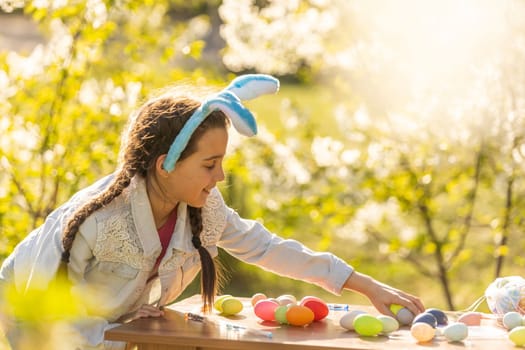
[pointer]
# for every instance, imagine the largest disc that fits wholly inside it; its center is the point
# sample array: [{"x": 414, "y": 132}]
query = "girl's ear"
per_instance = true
[{"x": 159, "y": 167}]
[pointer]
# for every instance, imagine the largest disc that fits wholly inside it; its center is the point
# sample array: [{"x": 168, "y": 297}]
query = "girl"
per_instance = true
[{"x": 133, "y": 241}]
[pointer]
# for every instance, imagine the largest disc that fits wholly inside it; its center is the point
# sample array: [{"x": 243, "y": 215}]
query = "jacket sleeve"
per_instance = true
[{"x": 251, "y": 242}]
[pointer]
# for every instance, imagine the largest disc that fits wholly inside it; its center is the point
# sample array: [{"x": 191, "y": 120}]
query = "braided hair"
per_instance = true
[{"x": 150, "y": 135}]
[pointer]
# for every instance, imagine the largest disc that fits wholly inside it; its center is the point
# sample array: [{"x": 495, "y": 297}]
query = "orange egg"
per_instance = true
[{"x": 298, "y": 315}]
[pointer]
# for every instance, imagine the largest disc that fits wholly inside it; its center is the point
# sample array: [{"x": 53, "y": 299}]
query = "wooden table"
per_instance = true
[{"x": 173, "y": 331}]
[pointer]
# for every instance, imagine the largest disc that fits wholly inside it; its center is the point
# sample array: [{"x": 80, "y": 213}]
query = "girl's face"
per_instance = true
[{"x": 193, "y": 178}]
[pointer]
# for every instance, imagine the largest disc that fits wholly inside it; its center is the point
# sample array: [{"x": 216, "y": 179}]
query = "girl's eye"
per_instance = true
[{"x": 210, "y": 167}]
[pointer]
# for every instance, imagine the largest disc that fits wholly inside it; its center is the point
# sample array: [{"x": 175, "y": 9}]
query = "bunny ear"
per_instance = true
[
  {"x": 242, "y": 119},
  {"x": 244, "y": 87},
  {"x": 250, "y": 86}
]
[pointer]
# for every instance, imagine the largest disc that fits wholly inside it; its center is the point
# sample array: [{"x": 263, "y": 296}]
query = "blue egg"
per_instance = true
[
  {"x": 427, "y": 318},
  {"x": 441, "y": 317}
]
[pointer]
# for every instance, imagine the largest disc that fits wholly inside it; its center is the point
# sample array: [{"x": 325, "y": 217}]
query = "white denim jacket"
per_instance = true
[{"x": 116, "y": 248}]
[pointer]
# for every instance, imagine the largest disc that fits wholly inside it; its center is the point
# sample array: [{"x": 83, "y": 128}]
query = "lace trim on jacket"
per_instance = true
[
  {"x": 118, "y": 240},
  {"x": 213, "y": 220}
]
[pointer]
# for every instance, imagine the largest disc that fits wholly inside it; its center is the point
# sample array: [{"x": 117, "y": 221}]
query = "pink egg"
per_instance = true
[
  {"x": 265, "y": 309},
  {"x": 317, "y": 305},
  {"x": 471, "y": 318}
]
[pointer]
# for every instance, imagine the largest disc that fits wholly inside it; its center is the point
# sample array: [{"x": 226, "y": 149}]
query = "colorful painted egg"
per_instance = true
[
  {"x": 280, "y": 314},
  {"x": 403, "y": 315},
  {"x": 512, "y": 320},
  {"x": 422, "y": 332},
  {"x": 286, "y": 299},
  {"x": 258, "y": 296},
  {"x": 390, "y": 324},
  {"x": 347, "y": 320},
  {"x": 517, "y": 335},
  {"x": 427, "y": 318},
  {"x": 217, "y": 304},
  {"x": 471, "y": 318},
  {"x": 367, "y": 325},
  {"x": 455, "y": 331},
  {"x": 298, "y": 315},
  {"x": 265, "y": 309},
  {"x": 317, "y": 305},
  {"x": 231, "y": 306},
  {"x": 440, "y": 316}
]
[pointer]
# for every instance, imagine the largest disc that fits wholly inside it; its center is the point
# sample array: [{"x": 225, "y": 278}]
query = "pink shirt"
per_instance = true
[{"x": 165, "y": 233}]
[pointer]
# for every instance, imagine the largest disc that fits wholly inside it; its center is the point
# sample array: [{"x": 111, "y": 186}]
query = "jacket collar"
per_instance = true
[
  {"x": 145, "y": 224},
  {"x": 143, "y": 216}
]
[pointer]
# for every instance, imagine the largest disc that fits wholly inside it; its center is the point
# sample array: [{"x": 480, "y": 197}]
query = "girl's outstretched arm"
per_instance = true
[{"x": 382, "y": 295}]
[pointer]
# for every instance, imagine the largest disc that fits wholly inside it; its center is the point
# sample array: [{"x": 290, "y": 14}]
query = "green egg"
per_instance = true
[
  {"x": 280, "y": 314},
  {"x": 517, "y": 335},
  {"x": 367, "y": 325}
]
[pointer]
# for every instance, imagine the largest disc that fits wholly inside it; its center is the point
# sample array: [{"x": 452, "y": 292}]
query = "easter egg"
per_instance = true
[
  {"x": 258, "y": 296},
  {"x": 347, "y": 320},
  {"x": 217, "y": 304},
  {"x": 231, "y": 306},
  {"x": 280, "y": 314},
  {"x": 390, "y": 324},
  {"x": 286, "y": 299},
  {"x": 471, "y": 318},
  {"x": 517, "y": 335},
  {"x": 367, "y": 325},
  {"x": 298, "y": 315},
  {"x": 403, "y": 315},
  {"x": 427, "y": 318},
  {"x": 317, "y": 305},
  {"x": 455, "y": 331},
  {"x": 440, "y": 316},
  {"x": 265, "y": 309},
  {"x": 512, "y": 319},
  {"x": 422, "y": 332}
]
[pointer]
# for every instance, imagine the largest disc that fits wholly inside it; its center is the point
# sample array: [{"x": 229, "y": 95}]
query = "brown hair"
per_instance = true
[{"x": 150, "y": 135}]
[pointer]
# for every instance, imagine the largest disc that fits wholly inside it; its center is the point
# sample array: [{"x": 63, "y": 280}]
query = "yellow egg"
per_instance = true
[
  {"x": 219, "y": 300},
  {"x": 395, "y": 308},
  {"x": 231, "y": 306},
  {"x": 299, "y": 315},
  {"x": 517, "y": 335}
]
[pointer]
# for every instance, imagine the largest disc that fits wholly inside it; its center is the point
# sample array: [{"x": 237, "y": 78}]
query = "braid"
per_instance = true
[
  {"x": 208, "y": 269},
  {"x": 121, "y": 181}
]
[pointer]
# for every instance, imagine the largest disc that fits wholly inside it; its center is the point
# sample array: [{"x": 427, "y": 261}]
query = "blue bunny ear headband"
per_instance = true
[{"x": 244, "y": 87}]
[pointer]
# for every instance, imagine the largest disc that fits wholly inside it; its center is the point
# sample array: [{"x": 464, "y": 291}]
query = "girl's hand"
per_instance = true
[
  {"x": 143, "y": 312},
  {"x": 382, "y": 295}
]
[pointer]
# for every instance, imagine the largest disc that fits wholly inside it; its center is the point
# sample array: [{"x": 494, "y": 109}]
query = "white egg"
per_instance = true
[
  {"x": 347, "y": 320},
  {"x": 405, "y": 316},
  {"x": 390, "y": 324},
  {"x": 455, "y": 331},
  {"x": 286, "y": 299}
]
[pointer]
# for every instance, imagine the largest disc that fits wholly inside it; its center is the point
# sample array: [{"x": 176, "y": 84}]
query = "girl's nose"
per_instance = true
[{"x": 219, "y": 176}]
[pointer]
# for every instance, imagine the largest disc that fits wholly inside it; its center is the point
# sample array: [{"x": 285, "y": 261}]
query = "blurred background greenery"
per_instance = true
[{"x": 396, "y": 141}]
